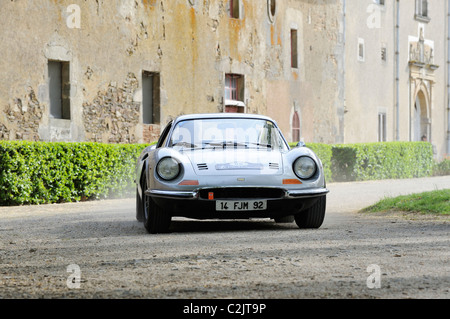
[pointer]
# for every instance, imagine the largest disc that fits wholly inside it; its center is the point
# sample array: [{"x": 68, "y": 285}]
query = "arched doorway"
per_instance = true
[
  {"x": 421, "y": 124},
  {"x": 295, "y": 127}
]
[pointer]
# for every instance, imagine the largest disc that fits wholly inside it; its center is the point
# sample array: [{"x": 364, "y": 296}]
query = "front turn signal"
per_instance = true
[
  {"x": 189, "y": 183},
  {"x": 291, "y": 182}
]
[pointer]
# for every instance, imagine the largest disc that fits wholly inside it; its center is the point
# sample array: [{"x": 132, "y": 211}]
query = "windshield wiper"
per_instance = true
[
  {"x": 185, "y": 145},
  {"x": 234, "y": 144},
  {"x": 262, "y": 145}
]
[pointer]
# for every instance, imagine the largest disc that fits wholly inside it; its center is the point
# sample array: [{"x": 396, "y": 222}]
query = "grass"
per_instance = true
[{"x": 435, "y": 202}]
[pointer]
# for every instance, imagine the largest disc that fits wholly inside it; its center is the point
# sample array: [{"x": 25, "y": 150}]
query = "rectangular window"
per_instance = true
[
  {"x": 234, "y": 93},
  {"x": 294, "y": 49},
  {"x": 151, "y": 113},
  {"x": 381, "y": 127},
  {"x": 234, "y": 9},
  {"x": 422, "y": 10},
  {"x": 383, "y": 53},
  {"x": 234, "y": 87},
  {"x": 361, "y": 50},
  {"x": 59, "y": 89}
]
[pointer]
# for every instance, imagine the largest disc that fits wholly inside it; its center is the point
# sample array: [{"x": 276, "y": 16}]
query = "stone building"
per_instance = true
[
  {"x": 329, "y": 71},
  {"x": 396, "y": 72},
  {"x": 115, "y": 71}
]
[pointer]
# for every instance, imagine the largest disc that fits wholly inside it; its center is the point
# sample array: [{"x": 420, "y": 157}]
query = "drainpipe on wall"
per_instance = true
[
  {"x": 448, "y": 78},
  {"x": 397, "y": 70},
  {"x": 343, "y": 76},
  {"x": 340, "y": 51}
]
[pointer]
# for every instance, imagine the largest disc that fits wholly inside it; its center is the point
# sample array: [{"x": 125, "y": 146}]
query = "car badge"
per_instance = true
[{"x": 241, "y": 179}]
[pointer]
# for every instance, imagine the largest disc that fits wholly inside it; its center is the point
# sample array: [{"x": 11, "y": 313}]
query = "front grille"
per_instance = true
[{"x": 242, "y": 192}]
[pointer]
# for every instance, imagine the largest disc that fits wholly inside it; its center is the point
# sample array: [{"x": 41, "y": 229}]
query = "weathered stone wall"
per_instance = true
[
  {"x": 113, "y": 115},
  {"x": 23, "y": 116},
  {"x": 314, "y": 90},
  {"x": 4, "y": 132},
  {"x": 190, "y": 44}
]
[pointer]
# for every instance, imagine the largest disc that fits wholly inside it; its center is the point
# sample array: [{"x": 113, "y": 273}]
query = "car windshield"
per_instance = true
[{"x": 220, "y": 133}]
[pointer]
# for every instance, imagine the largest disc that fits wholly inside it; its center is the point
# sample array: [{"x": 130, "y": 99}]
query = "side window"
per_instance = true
[{"x": 163, "y": 138}]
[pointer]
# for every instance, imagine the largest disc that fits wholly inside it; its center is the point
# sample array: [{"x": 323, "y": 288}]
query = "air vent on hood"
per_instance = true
[
  {"x": 273, "y": 165},
  {"x": 202, "y": 166}
]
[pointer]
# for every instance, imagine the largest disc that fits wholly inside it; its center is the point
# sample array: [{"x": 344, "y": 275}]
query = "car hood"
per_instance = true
[{"x": 236, "y": 162}]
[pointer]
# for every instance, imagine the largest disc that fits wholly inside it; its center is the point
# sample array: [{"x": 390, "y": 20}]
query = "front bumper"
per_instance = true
[
  {"x": 194, "y": 195},
  {"x": 193, "y": 204}
]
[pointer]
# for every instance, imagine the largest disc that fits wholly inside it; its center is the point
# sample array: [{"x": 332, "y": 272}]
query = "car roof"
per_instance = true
[{"x": 221, "y": 115}]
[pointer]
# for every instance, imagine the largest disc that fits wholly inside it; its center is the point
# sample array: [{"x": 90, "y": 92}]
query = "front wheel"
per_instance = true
[
  {"x": 312, "y": 217},
  {"x": 156, "y": 219},
  {"x": 139, "y": 208}
]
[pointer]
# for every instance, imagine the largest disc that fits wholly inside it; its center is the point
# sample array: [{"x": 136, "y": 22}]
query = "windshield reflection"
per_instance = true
[{"x": 227, "y": 133}]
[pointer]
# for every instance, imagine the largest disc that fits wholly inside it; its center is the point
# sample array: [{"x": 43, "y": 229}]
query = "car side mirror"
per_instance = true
[{"x": 300, "y": 144}]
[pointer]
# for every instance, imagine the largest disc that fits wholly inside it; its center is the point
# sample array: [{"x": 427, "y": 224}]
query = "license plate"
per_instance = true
[{"x": 222, "y": 205}]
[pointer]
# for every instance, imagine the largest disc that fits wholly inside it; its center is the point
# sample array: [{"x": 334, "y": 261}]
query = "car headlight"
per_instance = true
[
  {"x": 305, "y": 167},
  {"x": 168, "y": 168}
]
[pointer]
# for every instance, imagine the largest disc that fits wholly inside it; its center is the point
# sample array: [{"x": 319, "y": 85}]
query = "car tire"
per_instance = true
[
  {"x": 312, "y": 217},
  {"x": 285, "y": 219},
  {"x": 140, "y": 199},
  {"x": 156, "y": 219},
  {"x": 139, "y": 208}
]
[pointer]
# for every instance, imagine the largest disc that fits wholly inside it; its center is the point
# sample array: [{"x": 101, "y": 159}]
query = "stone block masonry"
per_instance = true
[
  {"x": 23, "y": 117},
  {"x": 191, "y": 47},
  {"x": 113, "y": 115}
]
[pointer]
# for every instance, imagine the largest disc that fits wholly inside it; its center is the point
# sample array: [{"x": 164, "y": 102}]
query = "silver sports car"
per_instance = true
[{"x": 228, "y": 166}]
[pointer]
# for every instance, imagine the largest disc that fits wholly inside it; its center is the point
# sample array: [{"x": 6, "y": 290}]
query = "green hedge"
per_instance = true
[
  {"x": 39, "y": 172},
  {"x": 373, "y": 161},
  {"x": 442, "y": 168}
]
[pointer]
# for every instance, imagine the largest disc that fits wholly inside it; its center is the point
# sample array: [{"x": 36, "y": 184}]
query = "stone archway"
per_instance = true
[
  {"x": 421, "y": 124},
  {"x": 421, "y": 120},
  {"x": 296, "y": 129},
  {"x": 422, "y": 80},
  {"x": 296, "y": 123}
]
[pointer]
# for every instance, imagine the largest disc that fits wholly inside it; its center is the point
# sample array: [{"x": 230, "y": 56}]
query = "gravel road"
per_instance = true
[{"x": 108, "y": 254}]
